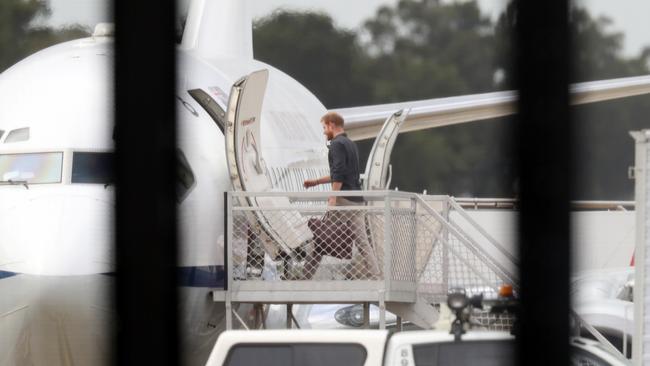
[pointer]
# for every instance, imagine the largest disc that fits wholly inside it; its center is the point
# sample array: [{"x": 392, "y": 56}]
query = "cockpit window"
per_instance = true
[
  {"x": 1, "y": 134},
  {"x": 32, "y": 168},
  {"x": 92, "y": 168},
  {"x": 17, "y": 135}
]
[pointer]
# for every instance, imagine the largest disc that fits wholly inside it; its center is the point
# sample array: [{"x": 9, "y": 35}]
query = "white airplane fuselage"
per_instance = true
[{"x": 56, "y": 236}]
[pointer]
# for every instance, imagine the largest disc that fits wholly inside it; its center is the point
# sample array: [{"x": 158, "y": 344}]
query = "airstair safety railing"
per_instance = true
[
  {"x": 458, "y": 208},
  {"x": 292, "y": 241},
  {"x": 579, "y": 324},
  {"x": 396, "y": 243},
  {"x": 464, "y": 261}
]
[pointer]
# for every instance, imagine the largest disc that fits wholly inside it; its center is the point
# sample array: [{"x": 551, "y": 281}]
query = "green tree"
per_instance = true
[
  {"x": 19, "y": 37},
  {"x": 427, "y": 49},
  {"x": 604, "y": 149},
  {"x": 602, "y": 145},
  {"x": 313, "y": 51},
  {"x": 597, "y": 50}
]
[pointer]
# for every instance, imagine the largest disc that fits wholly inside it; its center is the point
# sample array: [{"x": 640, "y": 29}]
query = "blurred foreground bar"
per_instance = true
[
  {"x": 145, "y": 167},
  {"x": 543, "y": 135}
]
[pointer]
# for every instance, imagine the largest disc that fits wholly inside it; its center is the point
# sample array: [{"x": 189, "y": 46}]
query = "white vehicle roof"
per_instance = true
[
  {"x": 439, "y": 336},
  {"x": 372, "y": 340}
]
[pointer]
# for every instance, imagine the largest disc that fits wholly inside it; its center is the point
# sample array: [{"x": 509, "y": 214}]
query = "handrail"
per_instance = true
[
  {"x": 504, "y": 203},
  {"x": 325, "y": 194},
  {"x": 490, "y": 263},
  {"x": 465, "y": 262},
  {"x": 599, "y": 337},
  {"x": 482, "y": 231}
]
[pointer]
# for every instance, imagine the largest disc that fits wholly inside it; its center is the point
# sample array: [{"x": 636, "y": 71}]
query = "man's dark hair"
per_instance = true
[{"x": 333, "y": 118}]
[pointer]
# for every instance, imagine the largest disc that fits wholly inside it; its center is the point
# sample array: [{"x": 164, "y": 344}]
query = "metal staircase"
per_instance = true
[{"x": 420, "y": 243}]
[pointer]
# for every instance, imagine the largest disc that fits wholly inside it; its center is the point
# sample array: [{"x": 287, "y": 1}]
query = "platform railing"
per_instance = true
[
  {"x": 395, "y": 243},
  {"x": 295, "y": 242}
]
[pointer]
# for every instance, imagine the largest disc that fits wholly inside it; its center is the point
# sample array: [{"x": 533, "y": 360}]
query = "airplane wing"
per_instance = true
[{"x": 365, "y": 122}]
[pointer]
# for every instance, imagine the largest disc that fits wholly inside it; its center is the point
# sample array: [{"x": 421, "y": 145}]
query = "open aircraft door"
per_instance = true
[
  {"x": 247, "y": 168},
  {"x": 378, "y": 168}
]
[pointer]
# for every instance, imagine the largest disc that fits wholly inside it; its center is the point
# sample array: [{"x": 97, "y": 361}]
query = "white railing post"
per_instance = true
[
  {"x": 413, "y": 249},
  {"x": 444, "y": 245},
  {"x": 640, "y": 342},
  {"x": 229, "y": 242},
  {"x": 388, "y": 242}
]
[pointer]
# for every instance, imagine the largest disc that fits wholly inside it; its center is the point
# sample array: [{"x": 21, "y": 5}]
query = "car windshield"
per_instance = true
[{"x": 33, "y": 168}]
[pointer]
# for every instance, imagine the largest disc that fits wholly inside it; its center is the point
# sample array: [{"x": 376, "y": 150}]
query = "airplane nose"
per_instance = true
[{"x": 57, "y": 235}]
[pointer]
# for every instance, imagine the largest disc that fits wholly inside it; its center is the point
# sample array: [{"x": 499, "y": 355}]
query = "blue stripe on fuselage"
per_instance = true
[
  {"x": 204, "y": 276},
  {"x": 5, "y": 274}
]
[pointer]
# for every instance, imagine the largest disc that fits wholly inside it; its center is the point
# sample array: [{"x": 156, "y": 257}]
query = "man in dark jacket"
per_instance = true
[{"x": 344, "y": 175}]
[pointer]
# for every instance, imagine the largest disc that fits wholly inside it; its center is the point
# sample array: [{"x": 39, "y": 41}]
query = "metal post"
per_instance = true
[
  {"x": 146, "y": 298},
  {"x": 388, "y": 242},
  {"x": 228, "y": 311},
  {"x": 640, "y": 251},
  {"x": 366, "y": 315},
  {"x": 398, "y": 326},
  {"x": 444, "y": 246},
  {"x": 289, "y": 316},
  {"x": 625, "y": 340},
  {"x": 413, "y": 250},
  {"x": 382, "y": 310},
  {"x": 228, "y": 242}
]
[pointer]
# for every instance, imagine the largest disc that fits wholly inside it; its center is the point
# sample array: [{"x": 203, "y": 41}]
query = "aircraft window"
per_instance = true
[
  {"x": 297, "y": 355},
  {"x": 185, "y": 177},
  {"x": 92, "y": 168},
  {"x": 486, "y": 353},
  {"x": 32, "y": 168},
  {"x": 21, "y": 134},
  {"x": 211, "y": 106}
]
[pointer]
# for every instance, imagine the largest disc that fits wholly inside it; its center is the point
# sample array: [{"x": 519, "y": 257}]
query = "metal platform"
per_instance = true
[{"x": 401, "y": 251}]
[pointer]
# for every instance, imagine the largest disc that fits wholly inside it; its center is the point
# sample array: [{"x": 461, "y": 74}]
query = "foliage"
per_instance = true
[
  {"x": 313, "y": 51},
  {"x": 603, "y": 148},
  {"x": 421, "y": 49},
  {"x": 19, "y": 37}
]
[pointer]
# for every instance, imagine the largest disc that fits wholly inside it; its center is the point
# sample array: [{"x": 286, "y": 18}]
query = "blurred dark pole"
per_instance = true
[
  {"x": 146, "y": 299},
  {"x": 543, "y": 137}
]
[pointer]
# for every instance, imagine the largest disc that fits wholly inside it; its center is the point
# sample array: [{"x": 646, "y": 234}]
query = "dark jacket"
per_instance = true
[{"x": 344, "y": 164}]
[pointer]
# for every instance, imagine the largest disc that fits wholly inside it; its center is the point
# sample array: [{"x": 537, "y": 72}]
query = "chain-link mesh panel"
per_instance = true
[
  {"x": 452, "y": 261},
  {"x": 485, "y": 320},
  {"x": 308, "y": 243}
]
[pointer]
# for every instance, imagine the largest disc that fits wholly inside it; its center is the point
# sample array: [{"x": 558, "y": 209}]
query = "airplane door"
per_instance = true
[
  {"x": 378, "y": 165},
  {"x": 248, "y": 172},
  {"x": 243, "y": 149}
]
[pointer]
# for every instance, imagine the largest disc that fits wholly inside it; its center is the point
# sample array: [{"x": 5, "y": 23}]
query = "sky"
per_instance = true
[{"x": 629, "y": 16}]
